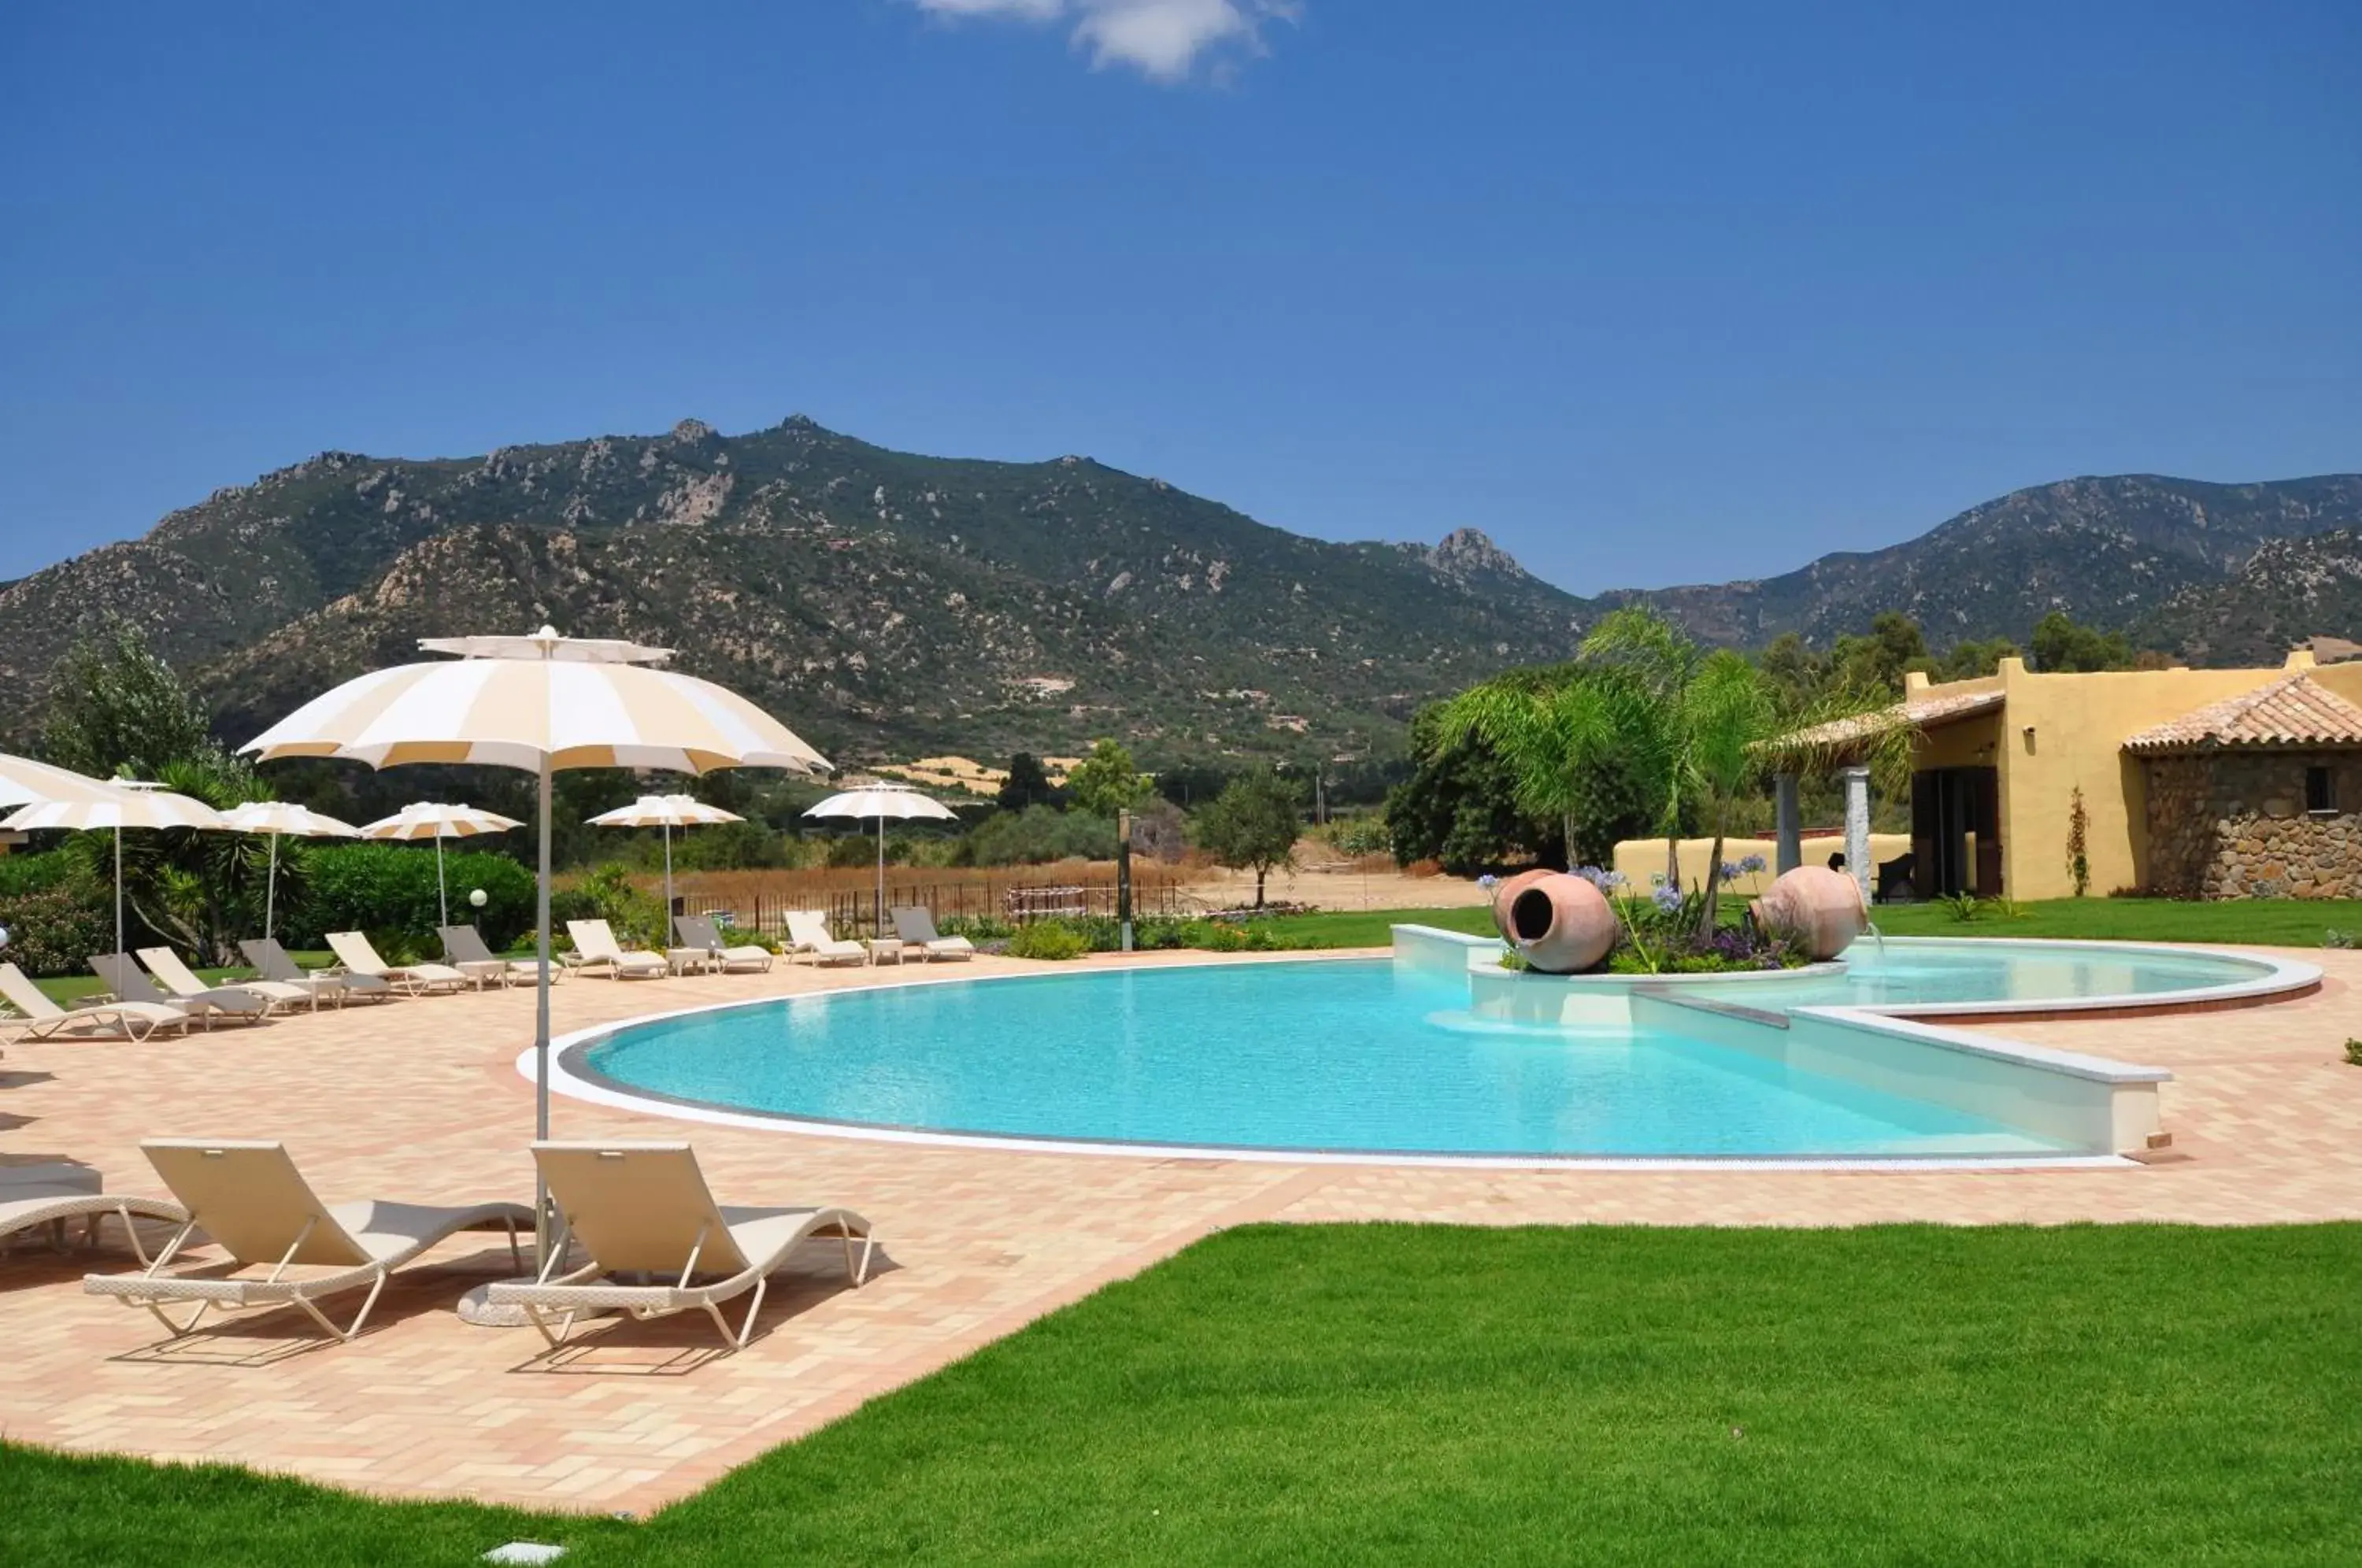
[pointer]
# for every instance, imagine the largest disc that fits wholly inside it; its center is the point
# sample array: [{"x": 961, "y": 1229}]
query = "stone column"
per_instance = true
[
  {"x": 1792, "y": 827},
  {"x": 1857, "y": 823}
]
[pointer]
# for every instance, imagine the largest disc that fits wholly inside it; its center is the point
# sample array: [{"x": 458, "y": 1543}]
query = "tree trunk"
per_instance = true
[
  {"x": 1566, "y": 826},
  {"x": 1673, "y": 860},
  {"x": 1713, "y": 883},
  {"x": 1259, "y": 877}
]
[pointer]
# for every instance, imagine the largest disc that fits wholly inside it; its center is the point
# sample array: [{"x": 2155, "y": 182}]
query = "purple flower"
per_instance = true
[
  {"x": 1488, "y": 882},
  {"x": 1667, "y": 899},
  {"x": 1751, "y": 865}
]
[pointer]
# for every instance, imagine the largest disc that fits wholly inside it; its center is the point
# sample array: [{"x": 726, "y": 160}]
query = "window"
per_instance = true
[{"x": 2321, "y": 789}]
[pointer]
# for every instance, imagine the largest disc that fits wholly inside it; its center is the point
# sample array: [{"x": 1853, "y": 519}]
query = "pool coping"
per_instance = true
[{"x": 571, "y": 1076}]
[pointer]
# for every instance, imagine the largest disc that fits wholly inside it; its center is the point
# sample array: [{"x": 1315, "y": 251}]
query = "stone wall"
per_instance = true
[{"x": 2226, "y": 825}]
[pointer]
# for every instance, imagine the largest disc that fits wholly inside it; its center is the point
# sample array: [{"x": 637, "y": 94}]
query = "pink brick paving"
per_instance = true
[{"x": 418, "y": 1100}]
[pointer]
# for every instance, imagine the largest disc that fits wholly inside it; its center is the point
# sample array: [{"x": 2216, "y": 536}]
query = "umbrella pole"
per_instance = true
[
  {"x": 442, "y": 896},
  {"x": 877, "y": 916},
  {"x": 540, "y": 1027},
  {"x": 270, "y": 890},
  {"x": 668, "y": 838},
  {"x": 118, "y": 887}
]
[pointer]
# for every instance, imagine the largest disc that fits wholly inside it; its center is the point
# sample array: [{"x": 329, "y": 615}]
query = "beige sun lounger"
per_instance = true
[
  {"x": 699, "y": 930},
  {"x": 596, "y": 942},
  {"x": 272, "y": 962},
  {"x": 253, "y": 1203},
  {"x": 53, "y": 1194},
  {"x": 42, "y": 1018},
  {"x": 644, "y": 1209},
  {"x": 181, "y": 982},
  {"x": 130, "y": 984},
  {"x": 916, "y": 927},
  {"x": 464, "y": 946},
  {"x": 807, "y": 933},
  {"x": 353, "y": 951}
]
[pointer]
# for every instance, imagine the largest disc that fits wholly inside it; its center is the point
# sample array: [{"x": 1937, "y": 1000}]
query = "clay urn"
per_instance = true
[
  {"x": 1505, "y": 894},
  {"x": 1559, "y": 924},
  {"x": 1813, "y": 906}
]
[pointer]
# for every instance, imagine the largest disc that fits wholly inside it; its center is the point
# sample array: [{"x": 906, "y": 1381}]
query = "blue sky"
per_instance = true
[{"x": 1652, "y": 293}]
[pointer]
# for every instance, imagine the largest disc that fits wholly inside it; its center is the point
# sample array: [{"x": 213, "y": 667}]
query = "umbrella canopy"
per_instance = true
[
  {"x": 427, "y": 818},
  {"x": 538, "y": 703},
  {"x": 25, "y": 782},
  {"x": 279, "y": 819},
  {"x": 120, "y": 806},
  {"x": 897, "y": 802},
  {"x": 666, "y": 812}
]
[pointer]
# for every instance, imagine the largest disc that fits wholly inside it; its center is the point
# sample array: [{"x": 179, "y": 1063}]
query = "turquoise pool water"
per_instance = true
[{"x": 1347, "y": 1055}]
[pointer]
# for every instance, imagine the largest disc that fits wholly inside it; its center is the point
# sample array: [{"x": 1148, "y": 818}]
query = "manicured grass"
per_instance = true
[
  {"x": 2273, "y": 922},
  {"x": 1349, "y": 1393},
  {"x": 1373, "y": 928}
]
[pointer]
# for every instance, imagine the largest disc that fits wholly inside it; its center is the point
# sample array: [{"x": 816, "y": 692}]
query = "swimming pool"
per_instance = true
[{"x": 1368, "y": 1056}]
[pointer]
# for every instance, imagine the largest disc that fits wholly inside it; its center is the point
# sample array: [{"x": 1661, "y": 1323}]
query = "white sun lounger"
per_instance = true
[
  {"x": 916, "y": 927},
  {"x": 595, "y": 941},
  {"x": 52, "y": 1195},
  {"x": 181, "y": 982},
  {"x": 43, "y": 1018},
  {"x": 272, "y": 962},
  {"x": 807, "y": 933},
  {"x": 250, "y": 1198},
  {"x": 644, "y": 1209},
  {"x": 353, "y": 951},
  {"x": 130, "y": 983},
  {"x": 699, "y": 930}
]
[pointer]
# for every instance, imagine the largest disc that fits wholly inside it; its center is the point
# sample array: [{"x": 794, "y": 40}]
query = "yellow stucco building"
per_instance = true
[{"x": 2195, "y": 782}]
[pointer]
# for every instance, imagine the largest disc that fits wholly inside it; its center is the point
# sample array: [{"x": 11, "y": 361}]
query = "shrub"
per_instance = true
[
  {"x": 1037, "y": 835},
  {"x": 2354, "y": 1052},
  {"x": 638, "y": 919},
  {"x": 388, "y": 891},
  {"x": 23, "y": 874},
  {"x": 56, "y": 930},
  {"x": 1365, "y": 834},
  {"x": 1049, "y": 939},
  {"x": 976, "y": 928}
]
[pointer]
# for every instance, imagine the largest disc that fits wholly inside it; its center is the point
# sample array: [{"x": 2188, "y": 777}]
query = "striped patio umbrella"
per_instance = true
[
  {"x": 538, "y": 703},
  {"x": 24, "y": 782},
  {"x": 666, "y": 812},
  {"x": 279, "y": 819},
  {"x": 124, "y": 805},
  {"x": 897, "y": 803},
  {"x": 427, "y": 819}
]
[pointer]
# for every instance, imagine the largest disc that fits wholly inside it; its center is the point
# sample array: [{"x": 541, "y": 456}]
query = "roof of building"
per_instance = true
[
  {"x": 1920, "y": 710},
  {"x": 2294, "y": 710}
]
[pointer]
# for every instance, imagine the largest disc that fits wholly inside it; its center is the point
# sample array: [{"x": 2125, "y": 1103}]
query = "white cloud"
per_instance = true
[{"x": 1164, "y": 39}]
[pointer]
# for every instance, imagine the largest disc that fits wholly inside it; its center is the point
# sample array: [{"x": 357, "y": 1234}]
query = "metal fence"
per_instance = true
[{"x": 852, "y": 912}]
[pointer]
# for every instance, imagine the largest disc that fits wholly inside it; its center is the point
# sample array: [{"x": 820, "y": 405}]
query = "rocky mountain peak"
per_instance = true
[{"x": 1467, "y": 552}]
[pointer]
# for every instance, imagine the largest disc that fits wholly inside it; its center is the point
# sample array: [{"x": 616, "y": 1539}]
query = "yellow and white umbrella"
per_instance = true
[
  {"x": 124, "y": 805},
  {"x": 24, "y": 782},
  {"x": 279, "y": 819},
  {"x": 899, "y": 801},
  {"x": 666, "y": 812},
  {"x": 538, "y": 703},
  {"x": 428, "y": 818}
]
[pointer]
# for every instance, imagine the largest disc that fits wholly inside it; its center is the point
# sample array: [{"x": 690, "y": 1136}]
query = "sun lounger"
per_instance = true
[
  {"x": 54, "y": 1194},
  {"x": 353, "y": 951},
  {"x": 42, "y": 1018},
  {"x": 699, "y": 930},
  {"x": 272, "y": 962},
  {"x": 807, "y": 933},
  {"x": 599, "y": 950},
  {"x": 916, "y": 927},
  {"x": 253, "y": 1203},
  {"x": 464, "y": 946},
  {"x": 643, "y": 1209},
  {"x": 181, "y": 982},
  {"x": 130, "y": 983}
]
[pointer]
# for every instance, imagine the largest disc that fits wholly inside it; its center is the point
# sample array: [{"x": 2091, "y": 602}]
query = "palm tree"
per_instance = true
[{"x": 1551, "y": 726}]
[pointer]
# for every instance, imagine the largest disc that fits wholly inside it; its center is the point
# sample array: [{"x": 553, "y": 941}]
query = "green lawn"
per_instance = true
[
  {"x": 1349, "y": 1394},
  {"x": 67, "y": 989},
  {"x": 2275, "y": 922}
]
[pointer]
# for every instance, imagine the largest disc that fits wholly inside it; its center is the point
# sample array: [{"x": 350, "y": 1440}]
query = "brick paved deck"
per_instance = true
[{"x": 419, "y": 1101}]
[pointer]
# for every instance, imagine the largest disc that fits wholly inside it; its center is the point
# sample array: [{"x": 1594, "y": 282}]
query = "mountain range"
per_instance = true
[{"x": 889, "y": 604}]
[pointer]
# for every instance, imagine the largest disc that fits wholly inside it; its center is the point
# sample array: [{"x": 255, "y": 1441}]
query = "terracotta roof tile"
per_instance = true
[
  {"x": 1924, "y": 711},
  {"x": 2293, "y": 711}
]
